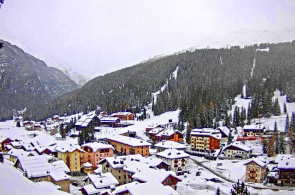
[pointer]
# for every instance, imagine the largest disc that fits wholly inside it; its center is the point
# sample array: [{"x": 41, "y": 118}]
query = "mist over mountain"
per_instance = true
[
  {"x": 26, "y": 80},
  {"x": 72, "y": 74}
]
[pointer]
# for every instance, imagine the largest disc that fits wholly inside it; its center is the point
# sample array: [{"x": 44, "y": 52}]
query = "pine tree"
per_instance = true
[
  {"x": 282, "y": 144},
  {"x": 265, "y": 146},
  {"x": 239, "y": 189},
  {"x": 277, "y": 143},
  {"x": 276, "y": 107},
  {"x": 287, "y": 124},
  {"x": 188, "y": 136},
  {"x": 230, "y": 138}
]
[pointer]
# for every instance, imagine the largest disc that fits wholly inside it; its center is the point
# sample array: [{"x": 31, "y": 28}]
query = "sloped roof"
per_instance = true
[
  {"x": 38, "y": 166},
  {"x": 238, "y": 146},
  {"x": 59, "y": 176},
  {"x": 122, "y": 113},
  {"x": 286, "y": 163},
  {"x": 170, "y": 144},
  {"x": 85, "y": 119},
  {"x": 173, "y": 154},
  {"x": 254, "y": 127},
  {"x": 128, "y": 140},
  {"x": 90, "y": 189},
  {"x": 207, "y": 132},
  {"x": 257, "y": 161},
  {"x": 136, "y": 188},
  {"x": 18, "y": 153},
  {"x": 225, "y": 130},
  {"x": 96, "y": 146},
  {"x": 149, "y": 174},
  {"x": 103, "y": 180}
]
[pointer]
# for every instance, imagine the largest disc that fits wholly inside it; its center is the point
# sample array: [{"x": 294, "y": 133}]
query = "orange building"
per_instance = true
[
  {"x": 94, "y": 152},
  {"x": 124, "y": 115},
  {"x": 127, "y": 145},
  {"x": 170, "y": 134}
]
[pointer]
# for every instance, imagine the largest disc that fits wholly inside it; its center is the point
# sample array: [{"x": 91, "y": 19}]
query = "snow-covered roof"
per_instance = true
[
  {"x": 258, "y": 161},
  {"x": 59, "y": 176},
  {"x": 13, "y": 182},
  {"x": 38, "y": 166},
  {"x": 109, "y": 119},
  {"x": 135, "y": 166},
  {"x": 68, "y": 148},
  {"x": 286, "y": 163},
  {"x": 170, "y": 144},
  {"x": 128, "y": 140},
  {"x": 18, "y": 153},
  {"x": 136, "y": 188},
  {"x": 97, "y": 146},
  {"x": 121, "y": 161},
  {"x": 85, "y": 119},
  {"x": 173, "y": 154},
  {"x": 152, "y": 162},
  {"x": 103, "y": 180},
  {"x": 156, "y": 130},
  {"x": 167, "y": 132},
  {"x": 90, "y": 189},
  {"x": 239, "y": 146},
  {"x": 225, "y": 130},
  {"x": 28, "y": 147},
  {"x": 207, "y": 132},
  {"x": 281, "y": 157},
  {"x": 254, "y": 127},
  {"x": 154, "y": 175},
  {"x": 15, "y": 144},
  {"x": 122, "y": 113}
]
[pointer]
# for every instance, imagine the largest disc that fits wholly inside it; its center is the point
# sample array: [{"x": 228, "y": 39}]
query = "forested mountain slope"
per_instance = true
[
  {"x": 207, "y": 81},
  {"x": 26, "y": 80}
]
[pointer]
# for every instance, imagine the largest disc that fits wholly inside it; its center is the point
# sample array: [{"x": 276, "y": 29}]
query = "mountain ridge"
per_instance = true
[{"x": 26, "y": 80}]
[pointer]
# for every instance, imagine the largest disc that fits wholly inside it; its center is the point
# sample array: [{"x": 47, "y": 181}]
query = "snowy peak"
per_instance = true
[{"x": 67, "y": 70}]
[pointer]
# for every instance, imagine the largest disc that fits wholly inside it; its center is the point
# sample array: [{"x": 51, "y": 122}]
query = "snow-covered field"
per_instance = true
[{"x": 139, "y": 126}]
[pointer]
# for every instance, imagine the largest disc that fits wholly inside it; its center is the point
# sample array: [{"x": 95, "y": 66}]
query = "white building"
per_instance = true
[{"x": 177, "y": 159}]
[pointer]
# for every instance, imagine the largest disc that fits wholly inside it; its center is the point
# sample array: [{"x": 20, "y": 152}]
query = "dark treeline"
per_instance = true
[{"x": 206, "y": 84}]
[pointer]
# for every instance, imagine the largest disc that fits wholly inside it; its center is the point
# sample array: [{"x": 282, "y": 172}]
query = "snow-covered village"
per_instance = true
[
  {"x": 147, "y": 97},
  {"x": 101, "y": 153}
]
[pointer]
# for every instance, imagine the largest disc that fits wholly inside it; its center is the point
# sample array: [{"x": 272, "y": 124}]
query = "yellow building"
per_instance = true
[
  {"x": 73, "y": 157},
  {"x": 256, "y": 170}
]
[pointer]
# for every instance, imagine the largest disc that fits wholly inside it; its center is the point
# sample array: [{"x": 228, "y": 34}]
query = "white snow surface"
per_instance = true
[
  {"x": 13, "y": 182},
  {"x": 139, "y": 126}
]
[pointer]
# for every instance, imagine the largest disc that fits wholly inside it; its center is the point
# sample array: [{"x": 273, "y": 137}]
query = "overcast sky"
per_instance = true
[{"x": 95, "y": 37}]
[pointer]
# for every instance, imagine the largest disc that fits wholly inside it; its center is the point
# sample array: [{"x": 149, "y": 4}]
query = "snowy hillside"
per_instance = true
[{"x": 269, "y": 122}]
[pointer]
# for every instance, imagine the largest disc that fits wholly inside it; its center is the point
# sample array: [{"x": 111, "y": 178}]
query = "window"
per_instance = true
[{"x": 119, "y": 177}]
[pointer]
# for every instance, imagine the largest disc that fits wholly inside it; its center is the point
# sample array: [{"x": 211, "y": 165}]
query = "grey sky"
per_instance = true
[{"x": 95, "y": 37}]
